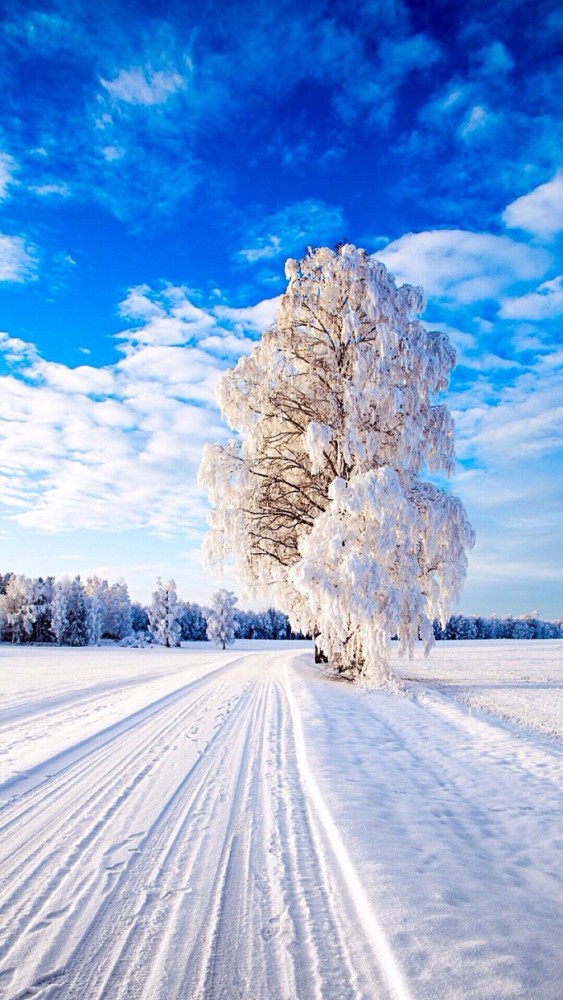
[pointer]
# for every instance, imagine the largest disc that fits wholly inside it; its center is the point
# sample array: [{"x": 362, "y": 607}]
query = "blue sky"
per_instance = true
[{"x": 159, "y": 162}]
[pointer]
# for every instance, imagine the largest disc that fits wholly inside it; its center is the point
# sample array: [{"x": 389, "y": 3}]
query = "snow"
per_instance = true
[{"x": 218, "y": 824}]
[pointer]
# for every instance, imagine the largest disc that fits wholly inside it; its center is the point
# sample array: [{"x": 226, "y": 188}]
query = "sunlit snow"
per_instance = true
[{"x": 198, "y": 823}]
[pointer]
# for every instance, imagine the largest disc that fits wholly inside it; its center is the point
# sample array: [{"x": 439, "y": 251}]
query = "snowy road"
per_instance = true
[{"x": 243, "y": 828}]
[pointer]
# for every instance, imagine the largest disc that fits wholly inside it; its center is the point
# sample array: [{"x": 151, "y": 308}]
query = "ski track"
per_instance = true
[
  {"x": 182, "y": 854},
  {"x": 467, "y": 814},
  {"x": 263, "y": 834}
]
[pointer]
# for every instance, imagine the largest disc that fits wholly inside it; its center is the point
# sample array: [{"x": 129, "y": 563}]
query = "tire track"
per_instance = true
[
  {"x": 223, "y": 873},
  {"x": 123, "y": 945},
  {"x": 384, "y": 972},
  {"x": 64, "y": 850},
  {"x": 87, "y": 805}
]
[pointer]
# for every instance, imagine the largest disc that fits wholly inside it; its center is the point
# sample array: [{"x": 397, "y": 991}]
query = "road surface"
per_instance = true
[{"x": 260, "y": 833}]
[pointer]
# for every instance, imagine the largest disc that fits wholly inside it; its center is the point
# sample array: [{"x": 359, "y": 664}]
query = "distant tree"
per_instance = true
[
  {"x": 118, "y": 617},
  {"x": 110, "y": 609},
  {"x": 245, "y": 624},
  {"x": 42, "y": 598},
  {"x": 164, "y": 614},
  {"x": 320, "y": 499},
  {"x": 95, "y": 590},
  {"x": 439, "y": 632},
  {"x": 522, "y": 629},
  {"x": 192, "y": 622},
  {"x": 221, "y": 620},
  {"x": 70, "y": 613},
  {"x": 17, "y": 609},
  {"x": 139, "y": 617}
]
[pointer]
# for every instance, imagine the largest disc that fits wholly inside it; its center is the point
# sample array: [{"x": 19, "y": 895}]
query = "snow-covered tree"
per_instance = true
[
  {"x": 164, "y": 614},
  {"x": 118, "y": 616},
  {"x": 18, "y": 609},
  {"x": 221, "y": 619},
  {"x": 95, "y": 590},
  {"x": 320, "y": 498},
  {"x": 70, "y": 613},
  {"x": 110, "y": 609},
  {"x": 42, "y": 600},
  {"x": 192, "y": 622},
  {"x": 139, "y": 617},
  {"x": 25, "y": 609}
]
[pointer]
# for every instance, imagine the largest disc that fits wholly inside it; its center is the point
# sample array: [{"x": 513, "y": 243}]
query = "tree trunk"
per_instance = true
[{"x": 320, "y": 657}]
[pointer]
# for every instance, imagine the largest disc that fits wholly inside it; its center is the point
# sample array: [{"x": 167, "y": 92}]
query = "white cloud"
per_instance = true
[
  {"x": 111, "y": 153},
  {"x": 269, "y": 246},
  {"x": 18, "y": 260},
  {"x": 545, "y": 302},
  {"x": 509, "y": 437},
  {"x": 144, "y": 86},
  {"x": 471, "y": 353},
  {"x": 83, "y": 380},
  {"x": 48, "y": 190},
  {"x": 14, "y": 349},
  {"x": 166, "y": 318},
  {"x": 462, "y": 266},
  {"x": 540, "y": 212},
  {"x": 503, "y": 426},
  {"x": 117, "y": 447},
  {"x": 257, "y": 317},
  {"x": 7, "y": 172}
]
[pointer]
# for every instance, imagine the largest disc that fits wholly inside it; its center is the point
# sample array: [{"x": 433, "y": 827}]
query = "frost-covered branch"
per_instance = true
[{"x": 319, "y": 499}]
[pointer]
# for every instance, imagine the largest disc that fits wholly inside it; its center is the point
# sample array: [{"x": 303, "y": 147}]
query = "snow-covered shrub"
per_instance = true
[{"x": 137, "y": 640}]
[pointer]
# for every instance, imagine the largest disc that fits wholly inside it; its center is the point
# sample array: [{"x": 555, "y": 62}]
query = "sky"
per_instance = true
[{"x": 158, "y": 164}]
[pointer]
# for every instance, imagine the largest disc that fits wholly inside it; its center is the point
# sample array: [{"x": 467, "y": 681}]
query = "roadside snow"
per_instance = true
[
  {"x": 232, "y": 824},
  {"x": 518, "y": 680}
]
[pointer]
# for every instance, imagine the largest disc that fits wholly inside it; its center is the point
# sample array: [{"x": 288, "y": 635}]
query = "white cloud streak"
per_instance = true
[
  {"x": 7, "y": 173},
  {"x": 461, "y": 266},
  {"x": 117, "y": 447},
  {"x": 143, "y": 86},
  {"x": 540, "y": 212},
  {"x": 18, "y": 260},
  {"x": 545, "y": 302}
]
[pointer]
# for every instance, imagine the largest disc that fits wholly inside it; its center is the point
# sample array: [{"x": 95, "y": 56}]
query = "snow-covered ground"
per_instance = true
[{"x": 204, "y": 824}]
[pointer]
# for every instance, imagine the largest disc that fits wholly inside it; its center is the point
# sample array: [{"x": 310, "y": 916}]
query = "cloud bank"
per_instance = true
[{"x": 118, "y": 447}]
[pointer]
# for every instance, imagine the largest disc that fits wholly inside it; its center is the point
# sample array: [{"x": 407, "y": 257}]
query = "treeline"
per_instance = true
[
  {"x": 523, "y": 627},
  {"x": 70, "y": 612}
]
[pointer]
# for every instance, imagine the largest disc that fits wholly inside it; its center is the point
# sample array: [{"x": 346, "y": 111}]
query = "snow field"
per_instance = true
[{"x": 221, "y": 825}]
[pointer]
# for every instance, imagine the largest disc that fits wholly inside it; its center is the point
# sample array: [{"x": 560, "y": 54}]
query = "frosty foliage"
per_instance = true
[
  {"x": 96, "y": 607},
  {"x": 69, "y": 613},
  {"x": 22, "y": 608},
  {"x": 221, "y": 621},
  {"x": 109, "y": 609},
  {"x": 164, "y": 614},
  {"x": 319, "y": 497}
]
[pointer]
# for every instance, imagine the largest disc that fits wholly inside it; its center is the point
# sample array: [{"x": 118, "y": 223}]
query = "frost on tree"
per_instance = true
[
  {"x": 221, "y": 621},
  {"x": 69, "y": 623},
  {"x": 320, "y": 498},
  {"x": 164, "y": 614}
]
